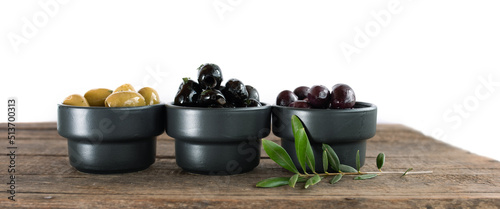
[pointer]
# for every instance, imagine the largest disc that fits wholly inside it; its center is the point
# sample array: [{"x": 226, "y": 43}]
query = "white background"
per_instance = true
[{"x": 430, "y": 65}]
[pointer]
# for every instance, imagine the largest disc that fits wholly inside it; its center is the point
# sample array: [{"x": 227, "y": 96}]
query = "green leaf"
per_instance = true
[
  {"x": 380, "y": 161},
  {"x": 407, "y": 170},
  {"x": 333, "y": 159},
  {"x": 279, "y": 155},
  {"x": 301, "y": 140},
  {"x": 185, "y": 80},
  {"x": 325, "y": 161},
  {"x": 310, "y": 157},
  {"x": 273, "y": 182},
  {"x": 303, "y": 147},
  {"x": 293, "y": 180},
  {"x": 336, "y": 178},
  {"x": 313, "y": 180},
  {"x": 302, "y": 179},
  {"x": 347, "y": 169},
  {"x": 358, "y": 162},
  {"x": 366, "y": 176}
]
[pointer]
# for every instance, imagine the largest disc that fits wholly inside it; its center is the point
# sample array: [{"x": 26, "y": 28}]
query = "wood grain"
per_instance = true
[{"x": 44, "y": 178}]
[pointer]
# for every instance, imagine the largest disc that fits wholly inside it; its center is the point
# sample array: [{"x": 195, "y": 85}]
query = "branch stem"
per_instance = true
[{"x": 362, "y": 173}]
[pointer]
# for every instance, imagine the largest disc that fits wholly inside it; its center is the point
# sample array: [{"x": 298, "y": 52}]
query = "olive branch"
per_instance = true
[{"x": 305, "y": 157}]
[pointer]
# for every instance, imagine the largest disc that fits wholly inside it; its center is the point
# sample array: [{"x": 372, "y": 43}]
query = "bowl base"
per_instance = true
[
  {"x": 346, "y": 152},
  {"x": 112, "y": 157},
  {"x": 93, "y": 171},
  {"x": 223, "y": 158}
]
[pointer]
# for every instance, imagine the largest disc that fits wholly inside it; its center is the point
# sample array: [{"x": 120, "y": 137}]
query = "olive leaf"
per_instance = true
[
  {"x": 406, "y": 172},
  {"x": 347, "y": 169},
  {"x": 273, "y": 182},
  {"x": 310, "y": 157},
  {"x": 325, "y": 161},
  {"x": 336, "y": 178},
  {"x": 303, "y": 148},
  {"x": 333, "y": 159},
  {"x": 293, "y": 180},
  {"x": 279, "y": 155},
  {"x": 358, "y": 162},
  {"x": 185, "y": 80},
  {"x": 380, "y": 161},
  {"x": 278, "y": 181},
  {"x": 313, "y": 180},
  {"x": 301, "y": 141},
  {"x": 365, "y": 176}
]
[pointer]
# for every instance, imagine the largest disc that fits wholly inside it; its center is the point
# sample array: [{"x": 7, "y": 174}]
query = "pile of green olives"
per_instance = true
[
  {"x": 123, "y": 96},
  {"x": 209, "y": 91}
]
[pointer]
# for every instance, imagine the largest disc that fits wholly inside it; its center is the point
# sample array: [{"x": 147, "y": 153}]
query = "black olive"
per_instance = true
[
  {"x": 188, "y": 93},
  {"x": 252, "y": 92},
  {"x": 209, "y": 76},
  {"x": 212, "y": 98},
  {"x": 236, "y": 92},
  {"x": 253, "y": 103}
]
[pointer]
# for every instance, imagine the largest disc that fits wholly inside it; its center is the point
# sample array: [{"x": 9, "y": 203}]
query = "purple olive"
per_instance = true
[
  {"x": 285, "y": 98},
  {"x": 301, "y": 92},
  {"x": 300, "y": 104},
  {"x": 319, "y": 96},
  {"x": 342, "y": 97}
]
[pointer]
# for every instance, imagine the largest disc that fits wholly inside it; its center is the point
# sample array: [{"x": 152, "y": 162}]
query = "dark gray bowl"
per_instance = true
[
  {"x": 346, "y": 130},
  {"x": 218, "y": 141},
  {"x": 111, "y": 140}
]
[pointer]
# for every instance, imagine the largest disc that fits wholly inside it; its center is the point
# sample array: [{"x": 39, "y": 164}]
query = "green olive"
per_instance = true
[
  {"x": 125, "y": 87},
  {"x": 76, "y": 100},
  {"x": 150, "y": 95},
  {"x": 96, "y": 97},
  {"x": 125, "y": 99}
]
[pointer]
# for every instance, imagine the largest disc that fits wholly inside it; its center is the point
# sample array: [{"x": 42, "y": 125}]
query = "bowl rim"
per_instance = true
[
  {"x": 236, "y": 109},
  {"x": 110, "y": 108},
  {"x": 365, "y": 107}
]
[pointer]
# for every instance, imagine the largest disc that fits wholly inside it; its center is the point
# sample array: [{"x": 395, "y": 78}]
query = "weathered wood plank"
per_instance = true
[
  {"x": 51, "y": 200},
  {"x": 54, "y": 174},
  {"x": 31, "y": 126}
]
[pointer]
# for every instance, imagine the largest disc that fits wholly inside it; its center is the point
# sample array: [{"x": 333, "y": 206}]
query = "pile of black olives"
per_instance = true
[
  {"x": 318, "y": 96},
  {"x": 209, "y": 91}
]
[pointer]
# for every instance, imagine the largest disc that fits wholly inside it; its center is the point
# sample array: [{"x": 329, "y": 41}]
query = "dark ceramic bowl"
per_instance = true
[
  {"x": 346, "y": 130},
  {"x": 111, "y": 140},
  {"x": 218, "y": 141}
]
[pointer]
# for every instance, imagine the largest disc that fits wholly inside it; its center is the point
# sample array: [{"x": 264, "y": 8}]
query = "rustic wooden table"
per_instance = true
[{"x": 44, "y": 178}]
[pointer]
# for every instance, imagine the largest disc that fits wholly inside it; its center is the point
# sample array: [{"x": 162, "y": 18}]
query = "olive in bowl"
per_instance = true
[
  {"x": 346, "y": 130},
  {"x": 218, "y": 141},
  {"x": 217, "y": 128},
  {"x": 335, "y": 118},
  {"x": 110, "y": 139}
]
